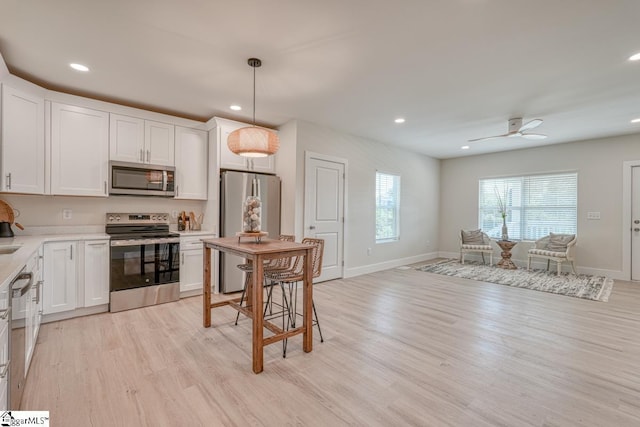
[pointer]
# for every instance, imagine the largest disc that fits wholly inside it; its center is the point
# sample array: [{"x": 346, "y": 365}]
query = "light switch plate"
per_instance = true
[
  {"x": 593, "y": 215},
  {"x": 67, "y": 213}
]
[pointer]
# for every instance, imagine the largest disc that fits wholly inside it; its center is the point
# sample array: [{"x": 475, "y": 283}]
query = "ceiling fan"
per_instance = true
[{"x": 516, "y": 128}]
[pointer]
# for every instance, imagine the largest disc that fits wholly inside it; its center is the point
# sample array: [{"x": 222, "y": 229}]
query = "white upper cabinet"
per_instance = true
[
  {"x": 191, "y": 163},
  {"x": 230, "y": 160},
  {"x": 79, "y": 151},
  {"x": 126, "y": 139},
  {"x": 159, "y": 143},
  {"x": 22, "y": 138},
  {"x": 140, "y": 141}
]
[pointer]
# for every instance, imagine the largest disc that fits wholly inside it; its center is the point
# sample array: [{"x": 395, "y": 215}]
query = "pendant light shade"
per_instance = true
[{"x": 253, "y": 141}]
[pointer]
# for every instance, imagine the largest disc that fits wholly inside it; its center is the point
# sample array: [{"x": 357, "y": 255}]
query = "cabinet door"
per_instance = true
[
  {"x": 159, "y": 143},
  {"x": 229, "y": 160},
  {"x": 191, "y": 270},
  {"x": 22, "y": 142},
  {"x": 79, "y": 151},
  {"x": 191, "y": 164},
  {"x": 59, "y": 277},
  {"x": 263, "y": 164},
  {"x": 126, "y": 138},
  {"x": 96, "y": 272}
]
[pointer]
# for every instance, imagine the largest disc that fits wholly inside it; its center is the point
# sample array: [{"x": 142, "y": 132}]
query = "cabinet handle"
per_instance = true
[
  {"x": 182, "y": 258},
  {"x": 71, "y": 252},
  {"x": 148, "y": 156},
  {"x": 142, "y": 155},
  {"x": 38, "y": 290},
  {"x": 9, "y": 181},
  {"x": 5, "y": 314},
  {"x": 105, "y": 187},
  {"x": 177, "y": 190},
  {"x": 5, "y": 369}
]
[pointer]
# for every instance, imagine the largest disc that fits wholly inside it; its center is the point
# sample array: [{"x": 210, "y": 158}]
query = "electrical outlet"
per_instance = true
[
  {"x": 174, "y": 214},
  {"x": 368, "y": 251},
  {"x": 67, "y": 214}
]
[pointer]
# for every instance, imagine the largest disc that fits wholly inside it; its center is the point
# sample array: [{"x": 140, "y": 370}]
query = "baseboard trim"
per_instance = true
[
  {"x": 78, "y": 312},
  {"x": 373, "y": 268}
]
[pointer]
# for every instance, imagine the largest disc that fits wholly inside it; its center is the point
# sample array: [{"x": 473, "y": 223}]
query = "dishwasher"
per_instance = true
[{"x": 20, "y": 291}]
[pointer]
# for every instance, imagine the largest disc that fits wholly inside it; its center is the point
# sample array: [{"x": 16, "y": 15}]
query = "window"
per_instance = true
[
  {"x": 535, "y": 205},
  {"x": 387, "y": 207}
]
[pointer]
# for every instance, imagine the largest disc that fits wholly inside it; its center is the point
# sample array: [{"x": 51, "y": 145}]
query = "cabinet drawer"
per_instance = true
[{"x": 4, "y": 344}]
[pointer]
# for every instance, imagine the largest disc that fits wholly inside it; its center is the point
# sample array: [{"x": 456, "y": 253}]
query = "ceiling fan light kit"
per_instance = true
[
  {"x": 517, "y": 129},
  {"x": 253, "y": 141}
]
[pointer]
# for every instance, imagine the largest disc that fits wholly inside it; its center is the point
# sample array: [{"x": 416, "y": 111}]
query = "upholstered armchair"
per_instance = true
[
  {"x": 554, "y": 247},
  {"x": 475, "y": 241}
]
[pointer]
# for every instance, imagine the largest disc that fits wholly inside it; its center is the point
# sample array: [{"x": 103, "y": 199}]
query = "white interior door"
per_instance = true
[
  {"x": 324, "y": 210},
  {"x": 635, "y": 223}
]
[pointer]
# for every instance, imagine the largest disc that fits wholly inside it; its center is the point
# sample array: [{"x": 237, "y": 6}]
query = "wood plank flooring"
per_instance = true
[{"x": 402, "y": 347}]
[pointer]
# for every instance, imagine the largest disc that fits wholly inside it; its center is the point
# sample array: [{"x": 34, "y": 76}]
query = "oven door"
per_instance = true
[{"x": 140, "y": 263}]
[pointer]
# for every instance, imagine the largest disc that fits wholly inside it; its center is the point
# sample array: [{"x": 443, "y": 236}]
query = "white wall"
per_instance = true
[
  {"x": 419, "y": 196},
  {"x": 46, "y": 211},
  {"x": 599, "y": 166}
]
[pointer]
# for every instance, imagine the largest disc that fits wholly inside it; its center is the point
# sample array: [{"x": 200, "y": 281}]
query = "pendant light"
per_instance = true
[{"x": 253, "y": 141}]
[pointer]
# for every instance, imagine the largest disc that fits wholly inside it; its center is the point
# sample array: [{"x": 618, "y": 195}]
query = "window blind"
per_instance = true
[
  {"x": 387, "y": 207},
  {"x": 536, "y": 205}
]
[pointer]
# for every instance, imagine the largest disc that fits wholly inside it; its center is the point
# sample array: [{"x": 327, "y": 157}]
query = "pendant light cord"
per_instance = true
[{"x": 254, "y": 96}]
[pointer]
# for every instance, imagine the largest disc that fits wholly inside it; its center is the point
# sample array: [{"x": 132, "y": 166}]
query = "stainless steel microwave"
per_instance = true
[{"x": 134, "y": 179}]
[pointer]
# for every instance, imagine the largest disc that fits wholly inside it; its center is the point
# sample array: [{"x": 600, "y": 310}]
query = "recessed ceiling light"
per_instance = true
[
  {"x": 464, "y": 147},
  {"x": 635, "y": 57},
  {"x": 635, "y": 120},
  {"x": 399, "y": 120},
  {"x": 79, "y": 67},
  {"x": 236, "y": 107}
]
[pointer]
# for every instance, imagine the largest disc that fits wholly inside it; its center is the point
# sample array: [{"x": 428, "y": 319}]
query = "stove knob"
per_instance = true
[
  {"x": 153, "y": 217},
  {"x": 118, "y": 218},
  {"x": 165, "y": 217},
  {"x": 111, "y": 218}
]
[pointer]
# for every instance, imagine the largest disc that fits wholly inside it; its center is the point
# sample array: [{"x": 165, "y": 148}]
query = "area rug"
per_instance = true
[{"x": 596, "y": 288}]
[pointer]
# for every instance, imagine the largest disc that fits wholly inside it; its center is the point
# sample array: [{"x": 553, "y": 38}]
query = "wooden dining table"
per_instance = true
[{"x": 257, "y": 252}]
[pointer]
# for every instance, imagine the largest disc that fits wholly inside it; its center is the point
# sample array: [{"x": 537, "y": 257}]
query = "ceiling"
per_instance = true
[{"x": 454, "y": 69}]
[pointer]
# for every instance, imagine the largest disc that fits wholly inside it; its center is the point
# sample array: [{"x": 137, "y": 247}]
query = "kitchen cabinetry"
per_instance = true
[
  {"x": 22, "y": 137},
  {"x": 79, "y": 151},
  {"x": 191, "y": 163},
  {"x": 230, "y": 160},
  {"x": 191, "y": 253},
  {"x": 140, "y": 141},
  {"x": 96, "y": 272},
  {"x": 33, "y": 315},
  {"x": 5, "y": 356},
  {"x": 60, "y": 281}
]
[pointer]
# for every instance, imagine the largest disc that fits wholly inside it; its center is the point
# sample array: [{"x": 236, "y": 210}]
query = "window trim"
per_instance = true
[
  {"x": 523, "y": 209},
  {"x": 397, "y": 216}
]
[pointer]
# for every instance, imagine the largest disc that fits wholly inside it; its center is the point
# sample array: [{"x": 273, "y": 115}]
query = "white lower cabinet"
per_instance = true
[
  {"x": 60, "y": 276},
  {"x": 5, "y": 314},
  {"x": 191, "y": 263},
  {"x": 33, "y": 315},
  {"x": 96, "y": 272}
]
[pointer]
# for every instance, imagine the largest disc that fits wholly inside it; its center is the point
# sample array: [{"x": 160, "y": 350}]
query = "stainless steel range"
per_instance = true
[{"x": 145, "y": 260}]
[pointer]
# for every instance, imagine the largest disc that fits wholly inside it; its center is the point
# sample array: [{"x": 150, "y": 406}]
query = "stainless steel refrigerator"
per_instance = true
[{"x": 235, "y": 187}]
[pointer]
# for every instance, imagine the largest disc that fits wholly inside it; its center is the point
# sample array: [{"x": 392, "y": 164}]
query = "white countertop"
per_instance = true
[
  {"x": 196, "y": 233},
  {"x": 11, "y": 264}
]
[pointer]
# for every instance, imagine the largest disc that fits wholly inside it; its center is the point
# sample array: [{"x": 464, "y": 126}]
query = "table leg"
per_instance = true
[
  {"x": 256, "y": 308},
  {"x": 307, "y": 302},
  {"x": 206, "y": 288}
]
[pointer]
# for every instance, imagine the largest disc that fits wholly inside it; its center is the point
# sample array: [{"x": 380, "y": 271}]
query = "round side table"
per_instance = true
[{"x": 505, "y": 262}]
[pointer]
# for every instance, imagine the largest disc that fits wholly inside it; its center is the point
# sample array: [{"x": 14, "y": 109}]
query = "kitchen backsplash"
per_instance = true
[{"x": 86, "y": 212}]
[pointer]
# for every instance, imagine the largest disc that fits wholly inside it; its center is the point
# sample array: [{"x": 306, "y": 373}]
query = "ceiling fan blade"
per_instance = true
[
  {"x": 489, "y": 137},
  {"x": 530, "y": 125},
  {"x": 533, "y": 136}
]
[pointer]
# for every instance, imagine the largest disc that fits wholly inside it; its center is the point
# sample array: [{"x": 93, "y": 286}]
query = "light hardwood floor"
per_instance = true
[{"x": 402, "y": 347}]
